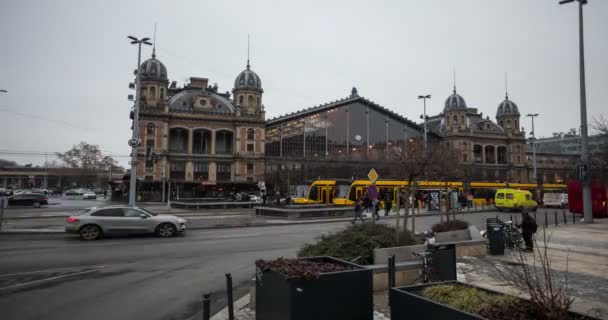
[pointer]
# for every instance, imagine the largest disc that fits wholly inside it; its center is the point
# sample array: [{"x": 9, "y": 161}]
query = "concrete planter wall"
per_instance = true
[
  {"x": 407, "y": 303},
  {"x": 333, "y": 296},
  {"x": 468, "y": 242}
]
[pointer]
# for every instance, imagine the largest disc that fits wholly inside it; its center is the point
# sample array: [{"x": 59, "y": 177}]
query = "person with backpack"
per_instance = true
[{"x": 528, "y": 229}]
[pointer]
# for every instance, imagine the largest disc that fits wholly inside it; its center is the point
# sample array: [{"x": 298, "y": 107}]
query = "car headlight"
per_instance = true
[{"x": 181, "y": 220}]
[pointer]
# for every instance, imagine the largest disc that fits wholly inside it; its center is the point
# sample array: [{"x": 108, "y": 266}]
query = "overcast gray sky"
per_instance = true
[{"x": 66, "y": 64}]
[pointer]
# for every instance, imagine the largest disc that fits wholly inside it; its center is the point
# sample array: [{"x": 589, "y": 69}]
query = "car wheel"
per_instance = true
[
  {"x": 90, "y": 232},
  {"x": 166, "y": 230},
  {"x": 36, "y": 204}
]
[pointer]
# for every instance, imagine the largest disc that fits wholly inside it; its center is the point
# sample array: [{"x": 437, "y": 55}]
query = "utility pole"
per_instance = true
[
  {"x": 134, "y": 142},
  {"x": 424, "y": 97},
  {"x": 533, "y": 138},
  {"x": 584, "y": 168}
]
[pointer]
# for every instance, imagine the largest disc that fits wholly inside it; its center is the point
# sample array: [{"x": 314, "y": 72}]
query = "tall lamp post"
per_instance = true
[
  {"x": 428, "y": 96},
  {"x": 533, "y": 138},
  {"x": 134, "y": 142},
  {"x": 584, "y": 168}
]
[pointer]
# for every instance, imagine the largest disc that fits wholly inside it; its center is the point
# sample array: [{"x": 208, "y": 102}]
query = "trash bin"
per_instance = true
[
  {"x": 444, "y": 261},
  {"x": 496, "y": 239}
]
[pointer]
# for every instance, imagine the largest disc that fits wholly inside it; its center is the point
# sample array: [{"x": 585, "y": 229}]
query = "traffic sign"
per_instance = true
[
  {"x": 373, "y": 175},
  {"x": 133, "y": 142}
]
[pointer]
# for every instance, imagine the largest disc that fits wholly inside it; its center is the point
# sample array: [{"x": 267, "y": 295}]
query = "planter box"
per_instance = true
[
  {"x": 339, "y": 295},
  {"x": 407, "y": 303}
]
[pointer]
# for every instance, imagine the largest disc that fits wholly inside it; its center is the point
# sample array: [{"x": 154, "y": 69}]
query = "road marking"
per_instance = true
[
  {"x": 19, "y": 285},
  {"x": 44, "y": 270}
]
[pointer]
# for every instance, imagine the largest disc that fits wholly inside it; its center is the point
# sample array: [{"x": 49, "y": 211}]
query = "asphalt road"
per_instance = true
[{"x": 59, "y": 277}]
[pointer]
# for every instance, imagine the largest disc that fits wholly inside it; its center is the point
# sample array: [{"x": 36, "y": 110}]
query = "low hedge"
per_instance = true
[
  {"x": 357, "y": 241},
  {"x": 450, "y": 226}
]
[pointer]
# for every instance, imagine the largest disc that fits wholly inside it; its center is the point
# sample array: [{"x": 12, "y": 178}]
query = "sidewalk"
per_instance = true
[{"x": 581, "y": 248}]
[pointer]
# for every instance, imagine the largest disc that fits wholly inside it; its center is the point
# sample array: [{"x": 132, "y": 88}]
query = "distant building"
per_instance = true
[
  {"x": 491, "y": 151},
  {"x": 341, "y": 139},
  {"x": 201, "y": 140},
  {"x": 569, "y": 143}
]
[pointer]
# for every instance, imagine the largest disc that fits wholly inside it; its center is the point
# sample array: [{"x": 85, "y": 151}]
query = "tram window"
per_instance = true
[
  {"x": 500, "y": 196},
  {"x": 314, "y": 193}
]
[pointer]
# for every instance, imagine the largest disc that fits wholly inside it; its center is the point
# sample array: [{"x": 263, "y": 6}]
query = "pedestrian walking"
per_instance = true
[
  {"x": 388, "y": 205},
  {"x": 528, "y": 229},
  {"x": 375, "y": 209},
  {"x": 359, "y": 211},
  {"x": 105, "y": 193}
]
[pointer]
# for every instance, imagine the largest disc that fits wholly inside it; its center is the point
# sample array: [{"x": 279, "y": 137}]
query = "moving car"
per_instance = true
[
  {"x": 89, "y": 195},
  {"x": 28, "y": 199},
  {"x": 514, "y": 199},
  {"x": 93, "y": 223},
  {"x": 557, "y": 200}
]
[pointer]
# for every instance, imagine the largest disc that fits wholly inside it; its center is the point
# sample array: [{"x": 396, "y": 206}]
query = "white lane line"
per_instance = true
[
  {"x": 48, "y": 270},
  {"x": 18, "y": 285}
]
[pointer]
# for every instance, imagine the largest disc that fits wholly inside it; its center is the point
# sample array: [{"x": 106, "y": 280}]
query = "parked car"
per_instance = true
[
  {"x": 254, "y": 197},
  {"x": 514, "y": 199},
  {"x": 556, "y": 200},
  {"x": 28, "y": 199},
  {"x": 93, "y": 223},
  {"x": 89, "y": 195}
]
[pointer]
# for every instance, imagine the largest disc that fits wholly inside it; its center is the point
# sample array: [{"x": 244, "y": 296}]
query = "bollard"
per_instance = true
[
  {"x": 564, "y": 212},
  {"x": 206, "y": 304},
  {"x": 230, "y": 300},
  {"x": 391, "y": 275},
  {"x": 546, "y": 220},
  {"x": 555, "y": 212}
]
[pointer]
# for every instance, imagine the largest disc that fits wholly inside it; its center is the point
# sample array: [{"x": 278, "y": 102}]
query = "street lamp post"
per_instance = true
[
  {"x": 134, "y": 142},
  {"x": 428, "y": 96},
  {"x": 533, "y": 146},
  {"x": 587, "y": 213}
]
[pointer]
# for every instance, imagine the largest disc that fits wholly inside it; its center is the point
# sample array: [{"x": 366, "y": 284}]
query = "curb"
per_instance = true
[{"x": 238, "y": 305}]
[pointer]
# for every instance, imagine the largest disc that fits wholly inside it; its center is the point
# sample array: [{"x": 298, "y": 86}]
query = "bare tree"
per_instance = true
[
  {"x": 599, "y": 158},
  {"x": 532, "y": 274},
  {"x": 89, "y": 159},
  {"x": 447, "y": 168},
  {"x": 414, "y": 162}
]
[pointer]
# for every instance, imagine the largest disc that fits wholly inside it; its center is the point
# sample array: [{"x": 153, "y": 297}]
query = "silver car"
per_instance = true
[{"x": 92, "y": 223}]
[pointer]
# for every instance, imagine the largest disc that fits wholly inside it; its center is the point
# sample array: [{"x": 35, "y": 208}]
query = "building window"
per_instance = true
[
  {"x": 455, "y": 119},
  {"x": 150, "y": 135},
  {"x": 249, "y": 168},
  {"x": 201, "y": 142},
  {"x": 149, "y": 166},
  {"x": 241, "y": 99},
  {"x": 178, "y": 140},
  {"x": 478, "y": 153},
  {"x": 250, "y": 148},
  {"x": 250, "y": 134},
  {"x": 201, "y": 171},
  {"x": 153, "y": 92},
  {"x": 203, "y": 102},
  {"x": 464, "y": 158},
  {"x": 223, "y": 142},
  {"x": 178, "y": 170},
  {"x": 462, "y": 118},
  {"x": 162, "y": 93},
  {"x": 250, "y": 101},
  {"x": 518, "y": 159},
  {"x": 224, "y": 170},
  {"x": 258, "y": 102}
]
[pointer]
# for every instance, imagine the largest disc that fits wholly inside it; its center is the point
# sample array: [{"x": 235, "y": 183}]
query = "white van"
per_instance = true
[{"x": 556, "y": 200}]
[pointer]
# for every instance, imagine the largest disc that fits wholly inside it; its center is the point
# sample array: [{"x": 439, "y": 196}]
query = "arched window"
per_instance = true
[
  {"x": 455, "y": 119},
  {"x": 178, "y": 140},
  {"x": 223, "y": 142},
  {"x": 250, "y": 101},
  {"x": 250, "y": 134},
  {"x": 241, "y": 99},
  {"x": 201, "y": 141},
  {"x": 508, "y": 123},
  {"x": 162, "y": 93},
  {"x": 153, "y": 92},
  {"x": 258, "y": 102}
]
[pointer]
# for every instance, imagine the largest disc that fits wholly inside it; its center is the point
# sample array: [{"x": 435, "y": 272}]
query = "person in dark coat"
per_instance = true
[
  {"x": 388, "y": 205},
  {"x": 359, "y": 211},
  {"x": 528, "y": 229}
]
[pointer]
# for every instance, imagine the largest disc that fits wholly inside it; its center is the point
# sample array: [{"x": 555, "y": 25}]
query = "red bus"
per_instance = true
[{"x": 598, "y": 198}]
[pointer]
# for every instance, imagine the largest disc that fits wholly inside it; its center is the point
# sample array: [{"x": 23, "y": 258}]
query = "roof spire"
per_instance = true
[
  {"x": 506, "y": 88},
  {"x": 454, "y": 79},
  {"x": 154, "y": 43},
  {"x": 248, "y": 51}
]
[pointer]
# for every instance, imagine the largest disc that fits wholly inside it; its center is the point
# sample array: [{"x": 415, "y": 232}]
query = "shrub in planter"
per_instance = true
[
  {"x": 357, "y": 241},
  {"x": 452, "y": 225},
  {"x": 454, "y": 300},
  {"x": 321, "y": 288}
]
